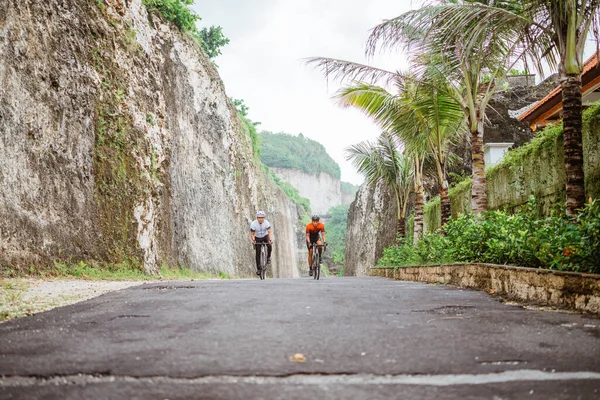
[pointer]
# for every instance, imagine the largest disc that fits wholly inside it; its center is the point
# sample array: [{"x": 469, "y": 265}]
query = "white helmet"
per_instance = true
[{"x": 260, "y": 214}]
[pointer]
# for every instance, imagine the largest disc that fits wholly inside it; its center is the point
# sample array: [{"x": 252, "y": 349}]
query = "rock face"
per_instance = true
[
  {"x": 118, "y": 142},
  {"x": 323, "y": 190},
  {"x": 347, "y": 198},
  {"x": 371, "y": 227}
]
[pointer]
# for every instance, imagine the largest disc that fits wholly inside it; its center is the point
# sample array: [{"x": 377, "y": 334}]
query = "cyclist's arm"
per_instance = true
[
  {"x": 307, "y": 237},
  {"x": 323, "y": 236},
  {"x": 252, "y": 236},
  {"x": 270, "y": 235}
]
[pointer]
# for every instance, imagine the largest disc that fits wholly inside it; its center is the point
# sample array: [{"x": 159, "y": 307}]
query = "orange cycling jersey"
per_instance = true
[{"x": 314, "y": 230}]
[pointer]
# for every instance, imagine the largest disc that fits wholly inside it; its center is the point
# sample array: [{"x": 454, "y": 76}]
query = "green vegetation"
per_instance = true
[
  {"x": 241, "y": 106},
  {"x": 536, "y": 168},
  {"x": 176, "y": 11},
  {"x": 554, "y": 242},
  {"x": 544, "y": 140},
  {"x": 283, "y": 150},
  {"x": 11, "y": 300},
  {"x": 336, "y": 232},
  {"x": 120, "y": 182},
  {"x": 211, "y": 39},
  {"x": 291, "y": 192},
  {"x": 128, "y": 270},
  {"x": 250, "y": 130}
]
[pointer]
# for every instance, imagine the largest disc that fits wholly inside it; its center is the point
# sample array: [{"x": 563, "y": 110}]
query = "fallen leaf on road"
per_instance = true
[{"x": 298, "y": 357}]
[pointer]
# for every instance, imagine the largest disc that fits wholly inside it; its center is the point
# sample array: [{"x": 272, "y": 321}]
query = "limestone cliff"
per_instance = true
[
  {"x": 371, "y": 227},
  {"x": 322, "y": 189},
  {"x": 117, "y": 141}
]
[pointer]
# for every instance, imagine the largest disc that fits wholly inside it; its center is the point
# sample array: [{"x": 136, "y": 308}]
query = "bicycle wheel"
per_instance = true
[
  {"x": 315, "y": 262},
  {"x": 263, "y": 262}
]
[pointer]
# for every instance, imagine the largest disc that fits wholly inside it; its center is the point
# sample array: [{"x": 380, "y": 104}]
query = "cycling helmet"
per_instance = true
[
  {"x": 260, "y": 214},
  {"x": 316, "y": 217}
]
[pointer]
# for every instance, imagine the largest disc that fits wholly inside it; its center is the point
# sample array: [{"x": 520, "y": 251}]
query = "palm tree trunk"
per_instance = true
[
  {"x": 418, "y": 231},
  {"x": 418, "y": 214},
  {"x": 575, "y": 186},
  {"x": 400, "y": 228},
  {"x": 445, "y": 202},
  {"x": 443, "y": 189},
  {"x": 478, "y": 189}
]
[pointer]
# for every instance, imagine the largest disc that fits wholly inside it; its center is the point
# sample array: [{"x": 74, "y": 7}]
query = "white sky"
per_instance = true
[{"x": 263, "y": 63}]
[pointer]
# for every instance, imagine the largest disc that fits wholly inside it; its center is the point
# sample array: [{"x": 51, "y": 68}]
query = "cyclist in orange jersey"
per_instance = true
[{"x": 313, "y": 229}]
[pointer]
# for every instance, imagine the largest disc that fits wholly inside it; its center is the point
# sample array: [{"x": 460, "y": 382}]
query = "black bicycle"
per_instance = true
[
  {"x": 316, "y": 260},
  {"x": 263, "y": 259}
]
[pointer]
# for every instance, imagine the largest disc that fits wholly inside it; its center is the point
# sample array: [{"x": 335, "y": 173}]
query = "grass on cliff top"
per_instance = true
[{"x": 96, "y": 271}]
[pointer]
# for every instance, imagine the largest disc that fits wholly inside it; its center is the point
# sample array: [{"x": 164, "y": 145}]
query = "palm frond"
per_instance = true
[{"x": 341, "y": 70}]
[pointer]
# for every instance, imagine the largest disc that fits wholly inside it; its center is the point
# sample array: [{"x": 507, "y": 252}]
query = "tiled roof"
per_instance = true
[{"x": 553, "y": 99}]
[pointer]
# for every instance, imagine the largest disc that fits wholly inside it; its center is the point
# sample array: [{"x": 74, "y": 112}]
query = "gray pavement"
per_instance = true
[{"x": 362, "y": 338}]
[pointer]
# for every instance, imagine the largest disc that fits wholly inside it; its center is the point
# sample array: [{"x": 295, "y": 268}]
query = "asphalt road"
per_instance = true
[{"x": 361, "y": 338}]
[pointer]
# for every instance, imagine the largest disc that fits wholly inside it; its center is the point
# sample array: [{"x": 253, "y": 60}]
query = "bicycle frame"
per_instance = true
[
  {"x": 316, "y": 260},
  {"x": 263, "y": 258}
]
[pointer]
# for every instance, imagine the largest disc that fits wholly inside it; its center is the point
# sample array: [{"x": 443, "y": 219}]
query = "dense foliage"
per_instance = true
[
  {"x": 336, "y": 232},
  {"x": 554, "y": 242},
  {"x": 282, "y": 150}
]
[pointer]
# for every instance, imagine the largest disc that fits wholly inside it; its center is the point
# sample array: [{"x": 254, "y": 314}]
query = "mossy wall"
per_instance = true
[
  {"x": 591, "y": 151},
  {"x": 432, "y": 215},
  {"x": 537, "y": 168}
]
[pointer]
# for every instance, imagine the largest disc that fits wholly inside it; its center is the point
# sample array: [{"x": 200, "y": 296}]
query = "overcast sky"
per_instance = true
[{"x": 263, "y": 63}]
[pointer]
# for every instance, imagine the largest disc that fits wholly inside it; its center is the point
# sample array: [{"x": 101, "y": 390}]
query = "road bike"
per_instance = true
[
  {"x": 263, "y": 259},
  {"x": 316, "y": 260}
]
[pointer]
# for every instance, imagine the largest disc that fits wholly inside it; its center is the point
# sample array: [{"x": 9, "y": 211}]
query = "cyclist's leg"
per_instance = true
[
  {"x": 257, "y": 248},
  {"x": 269, "y": 251},
  {"x": 309, "y": 247},
  {"x": 320, "y": 248}
]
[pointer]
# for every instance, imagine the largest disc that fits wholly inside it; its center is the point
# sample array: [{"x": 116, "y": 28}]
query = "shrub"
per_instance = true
[
  {"x": 176, "y": 11},
  {"x": 555, "y": 242}
]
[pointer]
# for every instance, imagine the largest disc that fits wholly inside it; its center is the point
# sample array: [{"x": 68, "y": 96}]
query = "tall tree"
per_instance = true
[
  {"x": 383, "y": 162},
  {"x": 471, "y": 63},
  {"x": 423, "y": 117}
]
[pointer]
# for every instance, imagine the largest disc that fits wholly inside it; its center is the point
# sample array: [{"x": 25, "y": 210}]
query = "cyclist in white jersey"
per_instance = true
[{"x": 260, "y": 232}]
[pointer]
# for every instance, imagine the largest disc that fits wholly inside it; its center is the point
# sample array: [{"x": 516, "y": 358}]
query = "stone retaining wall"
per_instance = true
[{"x": 571, "y": 290}]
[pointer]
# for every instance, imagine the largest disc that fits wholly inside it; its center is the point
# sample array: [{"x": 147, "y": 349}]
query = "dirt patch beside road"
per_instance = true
[{"x": 22, "y": 297}]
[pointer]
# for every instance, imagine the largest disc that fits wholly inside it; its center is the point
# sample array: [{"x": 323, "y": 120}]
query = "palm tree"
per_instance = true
[
  {"x": 383, "y": 162},
  {"x": 554, "y": 31},
  {"x": 423, "y": 117},
  {"x": 470, "y": 69}
]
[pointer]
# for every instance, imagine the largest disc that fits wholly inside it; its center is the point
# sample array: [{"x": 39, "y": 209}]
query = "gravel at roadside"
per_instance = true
[{"x": 22, "y": 297}]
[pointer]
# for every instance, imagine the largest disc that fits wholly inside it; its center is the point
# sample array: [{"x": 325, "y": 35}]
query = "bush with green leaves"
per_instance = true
[
  {"x": 176, "y": 11},
  {"x": 555, "y": 242},
  {"x": 211, "y": 39}
]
